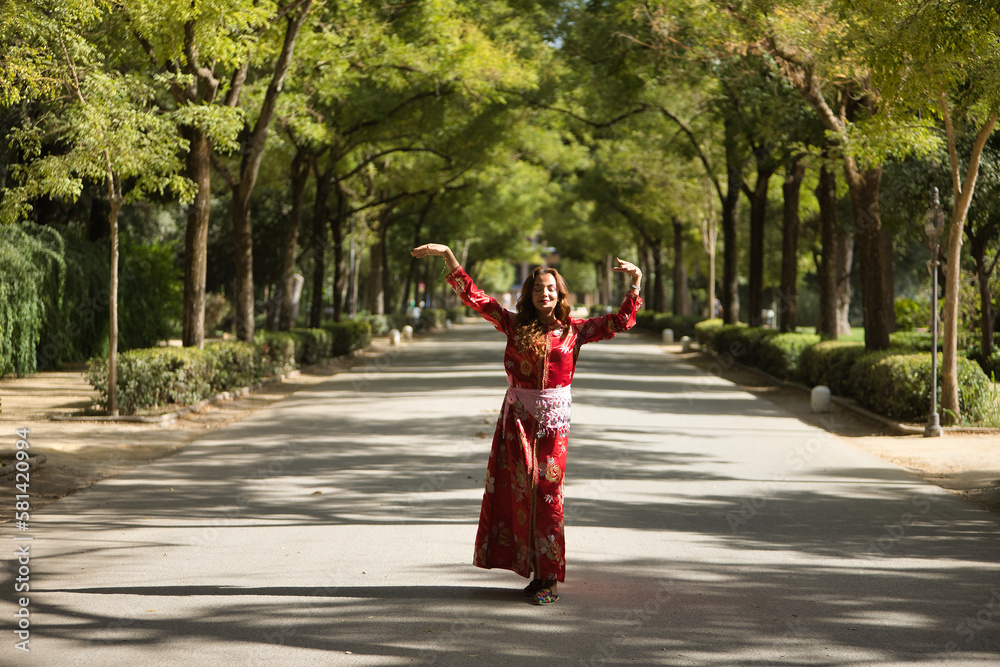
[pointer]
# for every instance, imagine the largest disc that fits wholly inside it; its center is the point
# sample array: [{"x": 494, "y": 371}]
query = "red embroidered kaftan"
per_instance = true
[{"x": 521, "y": 522}]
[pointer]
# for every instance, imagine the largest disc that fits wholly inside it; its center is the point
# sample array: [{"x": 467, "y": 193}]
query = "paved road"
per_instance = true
[{"x": 705, "y": 527}]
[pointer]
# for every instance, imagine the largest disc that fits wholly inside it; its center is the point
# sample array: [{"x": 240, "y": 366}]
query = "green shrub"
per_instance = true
[
  {"x": 312, "y": 345},
  {"x": 990, "y": 365},
  {"x": 912, "y": 341},
  {"x": 912, "y": 314},
  {"x": 456, "y": 314},
  {"x": 742, "y": 343},
  {"x": 727, "y": 339},
  {"x": 277, "y": 352},
  {"x": 382, "y": 324},
  {"x": 899, "y": 386},
  {"x": 780, "y": 354},
  {"x": 348, "y": 336},
  {"x": 829, "y": 363},
  {"x": 432, "y": 318},
  {"x": 235, "y": 364},
  {"x": 154, "y": 377},
  {"x": 705, "y": 331}
]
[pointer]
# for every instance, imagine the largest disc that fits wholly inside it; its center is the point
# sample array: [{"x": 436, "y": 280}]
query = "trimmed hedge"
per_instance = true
[
  {"x": 155, "y": 376},
  {"x": 432, "y": 318},
  {"x": 235, "y": 364},
  {"x": 348, "y": 336},
  {"x": 829, "y": 363},
  {"x": 899, "y": 385},
  {"x": 382, "y": 324},
  {"x": 160, "y": 376},
  {"x": 311, "y": 345},
  {"x": 705, "y": 331},
  {"x": 277, "y": 352},
  {"x": 894, "y": 383},
  {"x": 682, "y": 325},
  {"x": 781, "y": 355},
  {"x": 742, "y": 343},
  {"x": 913, "y": 341}
]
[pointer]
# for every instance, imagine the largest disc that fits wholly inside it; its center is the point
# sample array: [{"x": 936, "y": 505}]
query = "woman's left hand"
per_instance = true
[{"x": 629, "y": 268}]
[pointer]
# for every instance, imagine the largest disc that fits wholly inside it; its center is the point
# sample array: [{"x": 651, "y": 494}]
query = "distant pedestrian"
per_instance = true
[{"x": 521, "y": 521}]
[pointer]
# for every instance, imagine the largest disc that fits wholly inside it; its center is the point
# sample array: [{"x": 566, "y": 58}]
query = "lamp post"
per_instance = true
[{"x": 934, "y": 227}]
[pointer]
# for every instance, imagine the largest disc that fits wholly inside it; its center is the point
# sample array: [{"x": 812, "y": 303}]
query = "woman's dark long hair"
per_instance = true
[{"x": 531, "y": 334}]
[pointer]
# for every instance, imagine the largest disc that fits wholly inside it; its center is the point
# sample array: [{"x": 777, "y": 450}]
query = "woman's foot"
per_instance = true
[
  {"x": 546, "y": 595},
  {"x": 533, "y": 587}
]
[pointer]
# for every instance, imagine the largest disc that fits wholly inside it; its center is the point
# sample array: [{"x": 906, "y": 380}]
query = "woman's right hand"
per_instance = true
[
  {"x": 436, "y": 249},
  {"x": 430, "y": 249}
]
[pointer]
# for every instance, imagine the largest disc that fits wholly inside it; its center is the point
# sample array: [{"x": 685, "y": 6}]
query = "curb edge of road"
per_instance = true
[
  {"x": 852, "y": 405},
  {"x": 168, "y": 418}
]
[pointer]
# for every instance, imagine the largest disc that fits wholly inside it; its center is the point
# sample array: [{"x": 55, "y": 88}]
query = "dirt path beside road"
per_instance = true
[{"x": 81, "y": 453}]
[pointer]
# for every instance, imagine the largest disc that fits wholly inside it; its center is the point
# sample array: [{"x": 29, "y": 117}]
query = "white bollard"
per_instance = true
[
  {"x": 668, "y": 335},
  {"x": 819, "y": 397},
  {"x": 447, "y": 324},
  {"x": 407, "y": 332},
  {"x": 685, "y": 343},
  {"x": 393, "y": 336}
]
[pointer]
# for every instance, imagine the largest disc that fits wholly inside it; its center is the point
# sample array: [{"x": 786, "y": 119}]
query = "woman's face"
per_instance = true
[{"x": 544, "y": 295}]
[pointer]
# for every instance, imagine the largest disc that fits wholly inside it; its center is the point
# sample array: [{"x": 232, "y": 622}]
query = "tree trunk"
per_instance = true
[
  {"x": 758, "y": 216},
  {"x": 339, "y": 268},
  {"x": 844, "y": 260},
  {"x": 871, "y": 246},
  {"x": 826, "y": 196},
  {"x": 656, "y": 274},
  {"x": 299, "y": 175},
  {"x": 253, "y": 153},
  {"x": 199, "y": 170},
  {"x": 378, "y": 272},
  {"x": 116, "y": 203},
  {"x": 243, "y": 297},
  {"x": 730, "y": 251},
  {"x": 978, "y": 250},
  {"x": 321, "y": 212},
  {"x": 682, "y": 305},
  {"x": 788, "y": 306},
  {"x": 962, "y": 190}
]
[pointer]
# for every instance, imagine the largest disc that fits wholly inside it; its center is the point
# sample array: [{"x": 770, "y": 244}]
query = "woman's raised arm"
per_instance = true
[
  {"x": 470, "y": 295},
  {"x": 437, "y": 249}
]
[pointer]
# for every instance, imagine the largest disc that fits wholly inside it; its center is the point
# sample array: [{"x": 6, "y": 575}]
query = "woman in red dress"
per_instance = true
[{"x": 521, "y": 522}]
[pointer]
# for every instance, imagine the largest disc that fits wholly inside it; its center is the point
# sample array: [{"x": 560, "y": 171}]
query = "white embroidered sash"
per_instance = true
[{"x": 549, "y": 407}]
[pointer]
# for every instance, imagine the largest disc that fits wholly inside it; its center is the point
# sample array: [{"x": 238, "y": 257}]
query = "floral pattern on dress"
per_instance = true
[{"x": 525, "y": 473}]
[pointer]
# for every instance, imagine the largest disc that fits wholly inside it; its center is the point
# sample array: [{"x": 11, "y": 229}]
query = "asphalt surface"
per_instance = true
[{"x": 705, "y": 526}]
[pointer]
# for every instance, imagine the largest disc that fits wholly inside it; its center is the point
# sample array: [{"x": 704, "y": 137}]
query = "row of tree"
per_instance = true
[{"x": 600, "y": 127}]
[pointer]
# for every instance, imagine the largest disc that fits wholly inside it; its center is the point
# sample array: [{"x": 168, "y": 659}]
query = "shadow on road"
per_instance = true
[{"x": 695, "y": 537}]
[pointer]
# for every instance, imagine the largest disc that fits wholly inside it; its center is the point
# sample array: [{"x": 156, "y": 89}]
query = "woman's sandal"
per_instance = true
[
  {"x": 545, "y": 596},
  {"x": 533, "y": 587}
]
